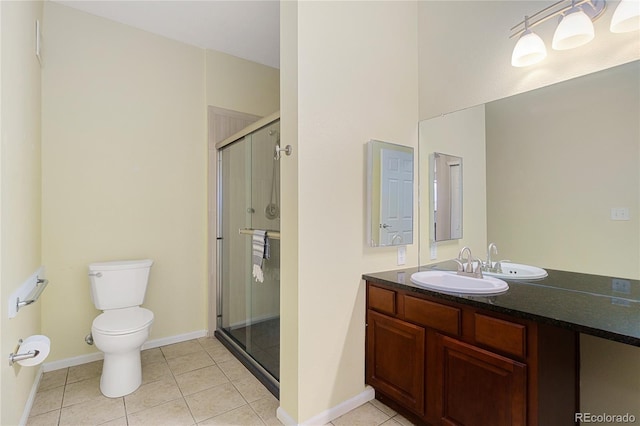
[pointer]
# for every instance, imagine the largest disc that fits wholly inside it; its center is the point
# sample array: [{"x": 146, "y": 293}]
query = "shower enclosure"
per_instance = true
[{"x": 248, "y": 311}]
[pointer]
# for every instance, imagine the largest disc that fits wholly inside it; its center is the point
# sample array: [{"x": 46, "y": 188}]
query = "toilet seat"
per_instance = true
[{"x": 122, "y": 321}]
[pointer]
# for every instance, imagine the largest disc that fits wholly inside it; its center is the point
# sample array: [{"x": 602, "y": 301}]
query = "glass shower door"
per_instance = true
[{"x": 249, "y": 187}]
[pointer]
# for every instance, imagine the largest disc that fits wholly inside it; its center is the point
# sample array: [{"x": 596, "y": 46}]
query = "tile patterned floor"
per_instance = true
[{"x": 194, "y": 382}]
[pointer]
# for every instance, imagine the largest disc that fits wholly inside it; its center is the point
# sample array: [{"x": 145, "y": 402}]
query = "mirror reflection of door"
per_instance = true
[
  {"x": 455, "y": 177},
  {"x": 396, "y": 188}
]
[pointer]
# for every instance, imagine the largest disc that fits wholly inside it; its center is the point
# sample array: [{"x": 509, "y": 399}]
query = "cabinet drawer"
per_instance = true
[
  {"x": 382, "y": 300},
  {"x": 502, "y": 335},
  {"x": 433, "y": 315}
]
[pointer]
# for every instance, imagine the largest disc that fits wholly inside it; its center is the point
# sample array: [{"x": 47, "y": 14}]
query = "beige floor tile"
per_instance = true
[
  {"x": 243, "y": 416},
  {"x": 199, "y": 380},
  {"x": 47, "y": 419},
  {"x": 364, "y": 415},
  {"x": 266, "y": 409},
  {"x": 85, "y": 390},
  {"x": 391, "y": 422},
  {"x": 48, "y": 400},
  {"x": 149, "y": 356},
  {"x": 121, "y": 421},
  {"x": 152, "y": 394},
  {"x": 173, "y": 412},
  {"x": 180, "y": 349},
  {"x": 214, "y": 401},
  {"x": 84, "y": 371},
  {"x": 219, "y": 353},
  {"x": 94, "y": 412},
  {"x": 209, "y": 342},
  {"x": 403, "y": 420},
  {"x": 155, "y": 371},
  {"x": 380, "y": 406},
  {"x": 251, "y": 388},
  {"x": 234, "y": 369},
  {"x": 190, "y": 362},
  {"x": 53, "y": 379}
]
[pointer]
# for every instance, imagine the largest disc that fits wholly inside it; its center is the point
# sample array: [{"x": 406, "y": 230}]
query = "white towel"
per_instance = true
[{"x": 259, "y": 252}]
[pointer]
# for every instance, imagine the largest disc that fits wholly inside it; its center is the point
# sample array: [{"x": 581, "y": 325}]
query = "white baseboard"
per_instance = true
[
  {"x": 96, "y": 356},
  {"x": 332, "y": 413},
  {"x": 32, "y": 397}
]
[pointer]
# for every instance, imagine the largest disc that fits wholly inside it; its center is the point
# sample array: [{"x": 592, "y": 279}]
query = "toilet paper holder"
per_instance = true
[{"x": 13, "y": 358}]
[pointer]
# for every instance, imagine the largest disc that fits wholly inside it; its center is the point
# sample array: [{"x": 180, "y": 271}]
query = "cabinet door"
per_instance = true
[
  {"x": 395, "y": 359},
  {"x": 479, "y": 388}
]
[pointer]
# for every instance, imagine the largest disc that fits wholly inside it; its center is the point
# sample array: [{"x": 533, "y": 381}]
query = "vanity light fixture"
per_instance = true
[
  {"x": 626, "y": 18},
  {"x": 575, "y": 27},
  {"x": 530, "y": 48},
  {"x": 574, "y": 30}
]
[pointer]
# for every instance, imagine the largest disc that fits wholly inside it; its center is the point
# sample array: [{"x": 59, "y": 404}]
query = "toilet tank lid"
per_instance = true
[{"x": 120, "y": 264}]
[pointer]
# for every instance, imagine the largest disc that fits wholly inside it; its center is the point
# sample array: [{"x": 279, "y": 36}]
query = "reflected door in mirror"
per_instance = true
[{"x": 446, "y": 197}]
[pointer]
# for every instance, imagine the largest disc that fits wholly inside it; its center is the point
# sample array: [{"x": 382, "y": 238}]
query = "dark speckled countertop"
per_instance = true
[{"x": 606, "y": 307}]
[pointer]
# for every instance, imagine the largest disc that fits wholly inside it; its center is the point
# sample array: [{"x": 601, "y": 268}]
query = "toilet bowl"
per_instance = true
[
  {"x": 120, "y": 334},
  {"x": 118, "y": 289}
]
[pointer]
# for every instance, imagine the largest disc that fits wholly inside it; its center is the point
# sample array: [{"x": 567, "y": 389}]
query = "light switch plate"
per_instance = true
[{"x": 619, "y": 213}]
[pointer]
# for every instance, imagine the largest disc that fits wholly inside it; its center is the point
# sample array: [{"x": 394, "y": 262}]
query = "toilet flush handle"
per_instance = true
[{"x": 95, "y": 274}]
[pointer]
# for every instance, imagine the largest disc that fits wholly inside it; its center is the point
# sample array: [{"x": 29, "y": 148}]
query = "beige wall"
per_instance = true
[
  {"x": 349, "y": 74},
  {"x": 20, "y": 233},
  {"x": 124, "y": 171},
  {"x": 473, "y": 67},
  {"x": 461, "y": 134},
  {"x": 240, "y": 85}
]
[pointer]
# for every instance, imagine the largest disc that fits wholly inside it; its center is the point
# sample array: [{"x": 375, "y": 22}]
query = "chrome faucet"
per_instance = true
[
  {"x": 467, "y": 269},
  {"x": 492, "y": 248}
]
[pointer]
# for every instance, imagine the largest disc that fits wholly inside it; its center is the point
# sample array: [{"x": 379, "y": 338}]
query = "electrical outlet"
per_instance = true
[
  {"x": 619, "y": 213},
  {"x": 402, "y": 255},
  {"x": 433, "y": 250},
  {"x": 621, "y": 286}
]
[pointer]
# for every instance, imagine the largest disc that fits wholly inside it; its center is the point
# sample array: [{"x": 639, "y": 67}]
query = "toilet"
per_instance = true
[{"x": 118, "y": 289}]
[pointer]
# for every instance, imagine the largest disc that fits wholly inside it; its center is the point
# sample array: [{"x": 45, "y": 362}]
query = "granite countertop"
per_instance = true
[{"x": 606, "y": 307}]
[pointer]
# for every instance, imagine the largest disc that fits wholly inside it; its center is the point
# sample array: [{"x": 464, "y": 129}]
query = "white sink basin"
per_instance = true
[
  {"x": 450, "y": 282},
  {"x": 518, "y": 271}
]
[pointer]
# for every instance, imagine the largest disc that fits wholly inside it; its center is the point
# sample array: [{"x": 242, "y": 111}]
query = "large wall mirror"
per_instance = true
[
  {"x": 552, "y": 176},
  {"x": 389, "y": 194}
]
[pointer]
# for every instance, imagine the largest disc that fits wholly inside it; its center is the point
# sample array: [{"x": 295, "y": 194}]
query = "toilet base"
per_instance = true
[{"x": 121, "y": 374}]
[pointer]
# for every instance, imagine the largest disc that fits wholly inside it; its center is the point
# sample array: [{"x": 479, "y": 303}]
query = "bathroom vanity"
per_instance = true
[{"x": 507, "y": 359}]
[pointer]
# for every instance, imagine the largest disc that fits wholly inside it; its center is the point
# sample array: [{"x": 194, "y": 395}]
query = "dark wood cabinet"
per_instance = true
[
  {"x": 395, "y": 359},
  {"x": 445, "y": 363},
  {"x": 479, "y": 387}
]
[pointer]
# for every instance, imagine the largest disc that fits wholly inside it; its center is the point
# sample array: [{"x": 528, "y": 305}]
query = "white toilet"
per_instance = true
[{"x": 118, "y": 289}]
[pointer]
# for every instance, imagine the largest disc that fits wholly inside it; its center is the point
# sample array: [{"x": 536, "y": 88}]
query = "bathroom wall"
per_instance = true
[
  {"x": 124, "y": 171},
  {"x": 476, "y": 60},
  {"x": 349, "y": 74},
  {"x": 240, "y": 85},
  {"x": 20, "y": 189}
]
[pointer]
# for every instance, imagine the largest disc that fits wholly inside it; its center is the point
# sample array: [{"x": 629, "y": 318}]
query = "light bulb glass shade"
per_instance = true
[
  {"x": 528, "y": 50},
  {"x": 575, "y": 29},
  {"x": 626, "y": 17}
]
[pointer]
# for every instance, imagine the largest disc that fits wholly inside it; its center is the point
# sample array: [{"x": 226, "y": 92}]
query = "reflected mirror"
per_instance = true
[
  {"x": 552, "y": 176},
  {"x": 445, "y": 202},
  {"x": 389, "y": 194}
]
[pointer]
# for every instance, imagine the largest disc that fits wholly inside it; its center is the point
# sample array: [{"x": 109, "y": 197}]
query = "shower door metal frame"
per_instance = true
[{"x": 270, "y": 382}]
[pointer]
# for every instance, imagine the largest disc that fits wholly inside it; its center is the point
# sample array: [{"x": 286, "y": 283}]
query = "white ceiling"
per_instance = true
[{"x": 243, "y": 28}]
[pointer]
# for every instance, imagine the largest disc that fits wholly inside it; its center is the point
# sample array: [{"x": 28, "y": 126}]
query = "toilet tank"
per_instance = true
[{"x": 119, "y": 284}]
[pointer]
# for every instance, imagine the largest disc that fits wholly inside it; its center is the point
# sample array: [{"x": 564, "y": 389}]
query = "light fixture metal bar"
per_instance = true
[{"x": 548, "y": 12}]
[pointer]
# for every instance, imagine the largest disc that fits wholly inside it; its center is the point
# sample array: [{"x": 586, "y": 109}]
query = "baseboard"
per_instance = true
[
  {"x": 332, "y": 413},
  {"x": 32, "y": 397},
  {"x": 96, "y": 356}
]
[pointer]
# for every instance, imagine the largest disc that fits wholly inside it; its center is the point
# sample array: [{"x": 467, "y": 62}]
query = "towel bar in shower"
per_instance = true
[{"x": 271, "y": 234}]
